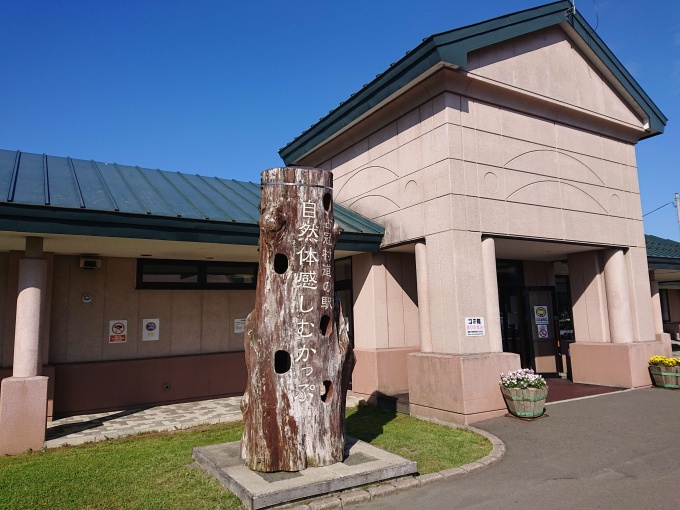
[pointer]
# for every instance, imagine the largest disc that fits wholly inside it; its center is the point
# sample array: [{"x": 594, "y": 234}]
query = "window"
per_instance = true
[
  {"x": 665, "y": 307},
  {"x": 189, "y": 274}
]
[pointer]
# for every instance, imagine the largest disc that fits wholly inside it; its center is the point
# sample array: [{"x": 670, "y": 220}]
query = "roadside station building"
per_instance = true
[
  {"x": 500, "y": 159},
  {"x": 487, "y": 189}
]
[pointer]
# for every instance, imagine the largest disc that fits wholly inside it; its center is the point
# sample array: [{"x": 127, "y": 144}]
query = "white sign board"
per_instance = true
[
  {"x": 150, "y": 329},
  {"x": 239, "y": 325},
  {"x": 542, "y": 331},
  {"x": 541, "y": 315},
  {"x": 474, "y": 326},
  {"x": 117, "y": 332}
]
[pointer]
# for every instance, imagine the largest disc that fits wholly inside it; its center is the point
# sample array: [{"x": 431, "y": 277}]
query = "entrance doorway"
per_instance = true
[
  {"x": 541, "y": 319},
  {"x": 535, "y": 320}
]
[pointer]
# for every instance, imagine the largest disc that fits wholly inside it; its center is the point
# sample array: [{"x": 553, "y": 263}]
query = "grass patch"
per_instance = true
[
  {"x": 154, "y": 471},
  {"x": 433, "y": 447},
  {"x": 150, "y": 471}
]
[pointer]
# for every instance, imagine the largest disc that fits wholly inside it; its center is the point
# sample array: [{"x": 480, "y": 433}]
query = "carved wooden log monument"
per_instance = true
[{"x": 298, "y": 354}]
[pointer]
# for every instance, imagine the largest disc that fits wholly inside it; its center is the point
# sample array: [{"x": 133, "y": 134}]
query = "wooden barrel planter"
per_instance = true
[
  {"x": 525, "y": 403},
  {"x": 665, "y": 377}
]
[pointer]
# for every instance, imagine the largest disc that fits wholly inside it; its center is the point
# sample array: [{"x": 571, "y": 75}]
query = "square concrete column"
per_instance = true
[
  {"x": 23, "y": 398},
  {"x": 458, "y": 381},
  {"x": 458, "y": 388},
  {"x": 622, "y": 361},
  {"x": 23, "y": 414},
  {"x": 386, "y": 323}
]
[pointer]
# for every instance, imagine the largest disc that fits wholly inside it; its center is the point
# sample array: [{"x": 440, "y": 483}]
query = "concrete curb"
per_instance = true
[{"x": 350, "y": 497}]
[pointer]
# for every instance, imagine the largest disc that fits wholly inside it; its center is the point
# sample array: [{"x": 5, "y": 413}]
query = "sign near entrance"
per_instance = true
[
  {"x": 117, "y": 332},
  {"x": 239, "y": 325},
  {"x": 541, "y": 315},
  {"x": 474, "y": 326},
  {"x": 150, "y": 330},
  {"x": 542, "y": 331}
]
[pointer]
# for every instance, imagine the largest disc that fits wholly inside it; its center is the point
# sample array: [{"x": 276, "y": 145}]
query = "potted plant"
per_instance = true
[
  {"x": 665, "y": 371},
  {"x": 524, "y": 392}
]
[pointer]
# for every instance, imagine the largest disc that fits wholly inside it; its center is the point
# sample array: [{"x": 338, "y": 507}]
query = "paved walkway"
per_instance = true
[
  {"x": 102, "y": 426},
  {"x": 618, "y": 450}
]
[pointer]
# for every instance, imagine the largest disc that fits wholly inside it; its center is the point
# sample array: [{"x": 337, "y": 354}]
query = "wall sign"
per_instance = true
[
  {"x": 474, "y": 326},
  {"x": 150, "y": 329},
  {"x": 239, "y": 325},
  {"x": 542, "y": 331},
  {"x": 117, "y": 332},
  {"x": 541, "y": 315}
]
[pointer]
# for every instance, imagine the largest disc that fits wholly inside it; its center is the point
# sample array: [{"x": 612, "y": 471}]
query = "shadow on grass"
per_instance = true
[{"x": 367, "y": 422}]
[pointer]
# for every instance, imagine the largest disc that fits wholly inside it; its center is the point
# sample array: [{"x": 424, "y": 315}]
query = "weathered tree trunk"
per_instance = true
[{"x": 298, "y": 354}]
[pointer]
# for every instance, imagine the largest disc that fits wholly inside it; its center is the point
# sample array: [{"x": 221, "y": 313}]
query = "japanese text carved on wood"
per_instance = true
[{"x": 298, "y": 354}]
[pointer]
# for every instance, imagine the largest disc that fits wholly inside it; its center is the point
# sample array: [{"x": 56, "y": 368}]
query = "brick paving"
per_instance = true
[{"x": 102, "y": 426}]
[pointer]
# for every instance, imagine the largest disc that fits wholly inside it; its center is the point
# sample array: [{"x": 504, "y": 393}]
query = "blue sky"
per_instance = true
[{"x": 217, "y": 87}]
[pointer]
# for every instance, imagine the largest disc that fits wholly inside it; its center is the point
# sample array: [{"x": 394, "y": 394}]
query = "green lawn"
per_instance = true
[
  {"x": 154, "y": 471},
  {"x": 433, "y": 447}
]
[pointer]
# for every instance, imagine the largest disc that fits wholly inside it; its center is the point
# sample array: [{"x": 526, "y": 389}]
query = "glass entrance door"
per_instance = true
[
  {"x": 512, "y": 325},
  {"x": 542, "y": 332}
]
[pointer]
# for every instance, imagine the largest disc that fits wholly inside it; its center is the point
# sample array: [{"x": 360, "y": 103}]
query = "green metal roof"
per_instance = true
[
  {"x": 49, "y": 194},
  {"x": 662, "y": 253},
  {"x": 453, "y": 47}
]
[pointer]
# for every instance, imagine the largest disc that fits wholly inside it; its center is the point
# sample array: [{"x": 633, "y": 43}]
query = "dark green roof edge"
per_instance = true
[
  {"x": 52, "y": 220},
  {"x": 94, "y": 202},
  {"x": 453, "y": 47},
  {"x": 86, "y": 222}
]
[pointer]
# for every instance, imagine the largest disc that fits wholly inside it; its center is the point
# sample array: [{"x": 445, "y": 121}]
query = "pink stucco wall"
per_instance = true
[
  {"x": 385, "y": 301},
  {"x": 492, "y": 150},
  {"x": 191, "y": 322},
  {"x": 530, "y": 141},
  {"x": 75, "y": 346}
]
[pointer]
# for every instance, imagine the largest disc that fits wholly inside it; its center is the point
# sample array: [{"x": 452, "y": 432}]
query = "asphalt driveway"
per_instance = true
[{"x": 616, "y": 451}]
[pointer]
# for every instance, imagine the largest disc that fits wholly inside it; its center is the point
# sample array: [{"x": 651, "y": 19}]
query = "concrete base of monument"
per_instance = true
[{"x": 363, "y": 464}]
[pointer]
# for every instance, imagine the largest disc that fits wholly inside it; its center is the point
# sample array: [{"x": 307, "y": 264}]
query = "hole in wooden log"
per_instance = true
[
  {"x": 327, "y": 390},
  {"x": 327, "y": 200},
  {"x": 280, "y": 263},
  {"x": 281, "y": 362},
  {"x": 325, "y": 325}
]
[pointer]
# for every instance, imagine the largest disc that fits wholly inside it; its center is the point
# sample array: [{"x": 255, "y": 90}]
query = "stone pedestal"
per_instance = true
[
  {"x": 613, "y": 364},
  {"x": 458, "y": 388},
  {"x": 381, "y": 371},
  {"x": 665, "y": 339},
  {"x": 23, "y": 414}
]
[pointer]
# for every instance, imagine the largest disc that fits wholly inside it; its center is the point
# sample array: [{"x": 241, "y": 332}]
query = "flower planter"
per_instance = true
[
  {"x": 525, "y": 403},
  {"x": 665, "y": 377}
]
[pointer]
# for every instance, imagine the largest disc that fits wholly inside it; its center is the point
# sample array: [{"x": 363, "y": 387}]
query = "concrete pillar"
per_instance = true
[
  {"x": 493, "y": 323},
  {"x": 618, "y": 296},
  {"x": 423, "y": 298},
  {"x": 659, "y": 334},
  {"x": 32, "y": 282},
  {"x": 656, "y": 306},
  {"x": 23, "y": 397}
]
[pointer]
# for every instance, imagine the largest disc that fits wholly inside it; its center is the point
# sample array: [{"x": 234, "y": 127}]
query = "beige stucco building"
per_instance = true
[
  {"x": 488, "y": 192},
  {"x": 500, "y": 158}
]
